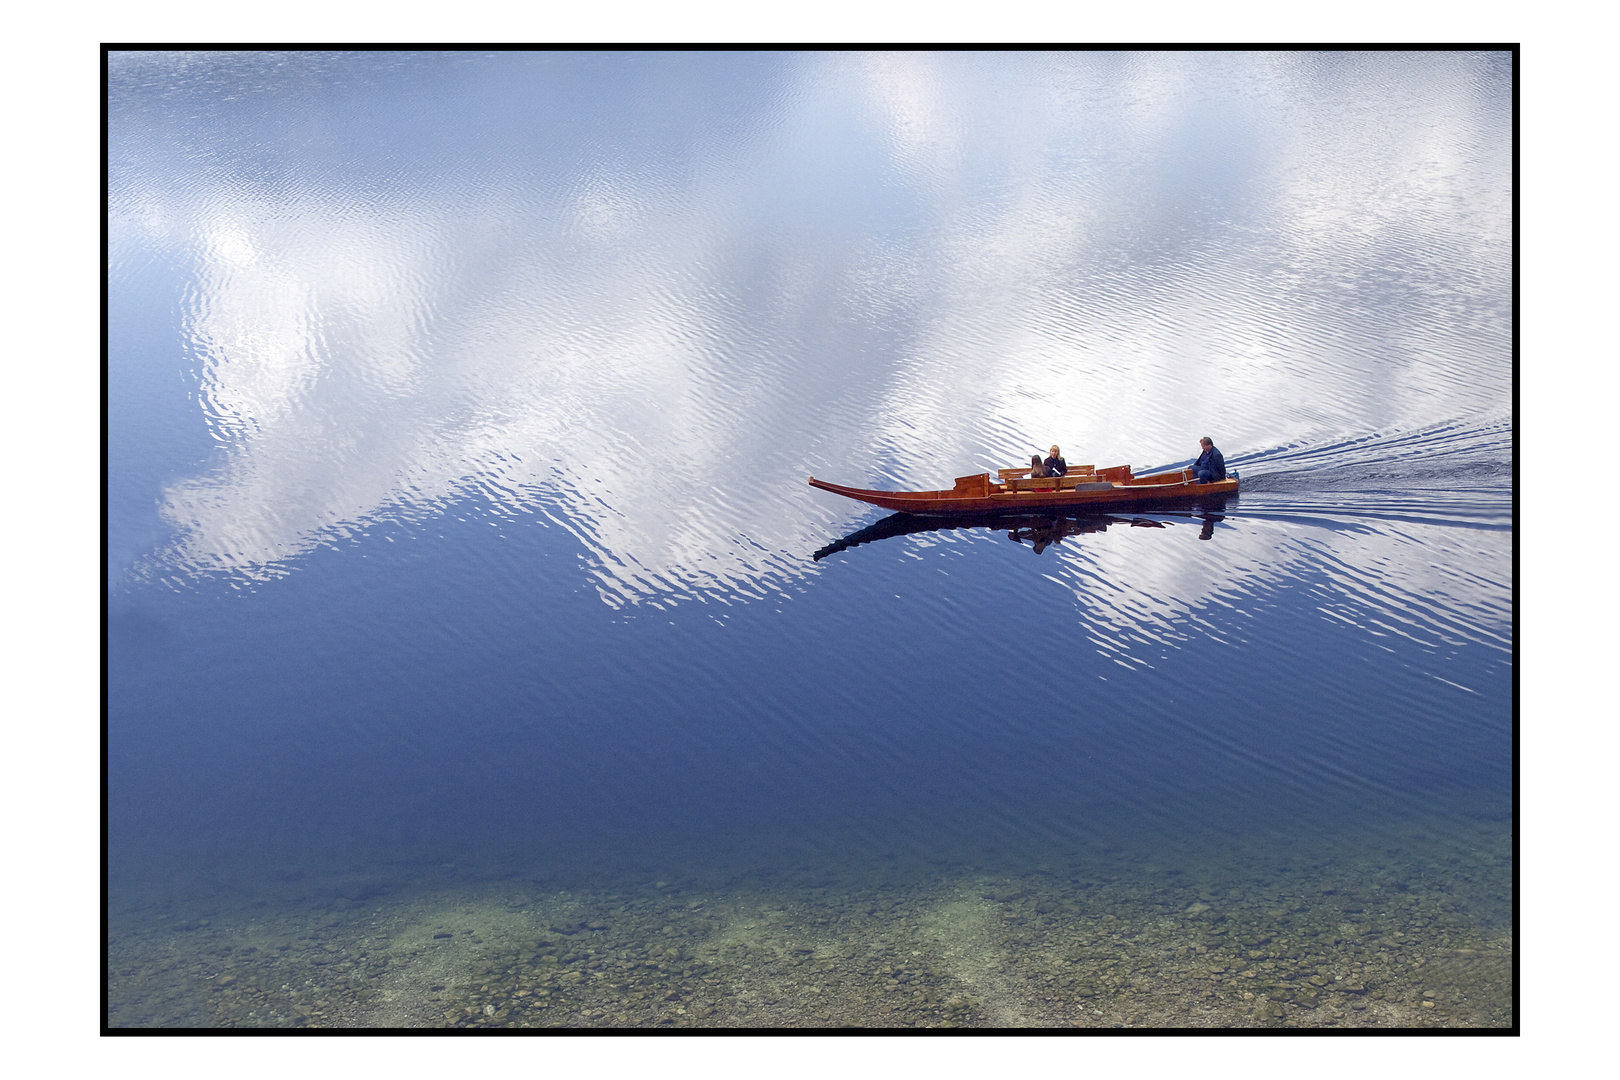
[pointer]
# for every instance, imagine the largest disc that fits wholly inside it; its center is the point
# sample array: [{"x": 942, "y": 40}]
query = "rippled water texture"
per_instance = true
[{"x": 460, "y": 410}]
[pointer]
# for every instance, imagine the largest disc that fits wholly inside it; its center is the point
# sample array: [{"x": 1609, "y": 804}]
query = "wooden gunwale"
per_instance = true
[{"x": 979, "y": 495}]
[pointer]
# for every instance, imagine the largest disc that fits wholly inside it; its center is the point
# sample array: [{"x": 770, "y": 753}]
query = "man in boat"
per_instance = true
[
  {"x": 1055, "y": 465},
  {"x": 1210, "y": 466}
]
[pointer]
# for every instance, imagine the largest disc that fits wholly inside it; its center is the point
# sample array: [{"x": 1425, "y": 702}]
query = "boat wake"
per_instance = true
[
  {"x": 1457, "y": 474},
  {"x": 1457, "y": 455}
]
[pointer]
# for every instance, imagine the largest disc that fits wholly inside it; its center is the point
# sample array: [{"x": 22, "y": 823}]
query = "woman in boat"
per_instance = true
[
  {"x": 1055, "y": 465},
  {"x": 1037, "y": 470},
  {"x": 1210, "y": 466}
]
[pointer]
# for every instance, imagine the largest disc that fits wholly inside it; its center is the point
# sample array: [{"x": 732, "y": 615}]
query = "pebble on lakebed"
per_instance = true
[{"x": 1036, "y": 950}]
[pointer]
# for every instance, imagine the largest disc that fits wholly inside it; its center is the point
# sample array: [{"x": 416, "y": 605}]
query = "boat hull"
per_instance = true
[{"x": 978, "y": 495}]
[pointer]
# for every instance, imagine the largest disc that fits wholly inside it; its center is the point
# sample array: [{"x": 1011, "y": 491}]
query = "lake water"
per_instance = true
[{"x": 479, "y": 656}]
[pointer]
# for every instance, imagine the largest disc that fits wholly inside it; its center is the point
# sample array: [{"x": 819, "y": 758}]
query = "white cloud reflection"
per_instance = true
[{"x": 655, "y": 355}]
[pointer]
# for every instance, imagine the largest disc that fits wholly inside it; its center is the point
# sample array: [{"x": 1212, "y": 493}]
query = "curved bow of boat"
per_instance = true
[
  {"x": 892, "y": 500},
  {"x": 840, "y": 489}
]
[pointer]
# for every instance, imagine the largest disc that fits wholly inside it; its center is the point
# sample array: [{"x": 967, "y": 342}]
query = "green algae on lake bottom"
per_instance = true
[{"x": 1402, "y": 941}]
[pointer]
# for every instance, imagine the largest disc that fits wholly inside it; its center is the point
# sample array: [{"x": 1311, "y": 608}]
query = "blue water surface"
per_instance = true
[{"x": 460, "y": 408}]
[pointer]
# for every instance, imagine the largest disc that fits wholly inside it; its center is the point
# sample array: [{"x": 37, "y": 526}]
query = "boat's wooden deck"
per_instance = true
[{"x": 1081, "y": 478}]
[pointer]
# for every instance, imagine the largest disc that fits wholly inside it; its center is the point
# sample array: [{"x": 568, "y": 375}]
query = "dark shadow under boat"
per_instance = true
[{"x": 1037, "y": 530}]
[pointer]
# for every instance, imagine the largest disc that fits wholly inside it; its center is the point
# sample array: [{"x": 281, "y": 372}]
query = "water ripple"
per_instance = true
[{"x": 863, "y": 270}]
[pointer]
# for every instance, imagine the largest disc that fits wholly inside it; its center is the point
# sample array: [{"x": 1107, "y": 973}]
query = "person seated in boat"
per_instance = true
[
  {"x": 1210, "y": 466},
  {"x": 1055, "y": 465},
  {"x": 1037, "y": 468}
]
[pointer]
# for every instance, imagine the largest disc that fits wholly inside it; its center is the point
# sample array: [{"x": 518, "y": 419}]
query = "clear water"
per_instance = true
[{"x": 464, "y": 580}]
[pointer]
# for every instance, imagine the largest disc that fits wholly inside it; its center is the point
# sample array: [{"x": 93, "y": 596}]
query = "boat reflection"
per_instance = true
[{"x": 1038, "y": 530}]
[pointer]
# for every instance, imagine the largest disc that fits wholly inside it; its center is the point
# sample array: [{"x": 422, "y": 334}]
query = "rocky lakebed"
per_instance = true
[{"x": 1400, "y": 944}]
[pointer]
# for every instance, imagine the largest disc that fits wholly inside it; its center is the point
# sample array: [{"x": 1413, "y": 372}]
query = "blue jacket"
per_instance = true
[{"x": 1211, "y": 459}]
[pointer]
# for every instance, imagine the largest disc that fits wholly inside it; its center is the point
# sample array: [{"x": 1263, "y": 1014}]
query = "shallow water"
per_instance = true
[{"x": 463, "y": 575}]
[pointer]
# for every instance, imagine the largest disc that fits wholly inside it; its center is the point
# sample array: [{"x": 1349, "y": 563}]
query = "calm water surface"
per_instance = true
[{"x": 471, "y": 624}]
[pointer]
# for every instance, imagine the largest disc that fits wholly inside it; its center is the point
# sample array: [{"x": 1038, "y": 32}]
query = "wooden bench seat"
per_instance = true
[
  {"x": 1050, "y": 483},
  {"x": 1017, "y": 474},
  {"x": 1028, "y": 483}
]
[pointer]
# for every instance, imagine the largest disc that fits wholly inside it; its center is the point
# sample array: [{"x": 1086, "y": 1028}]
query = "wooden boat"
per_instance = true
[{"x": 1015, "y": 491}]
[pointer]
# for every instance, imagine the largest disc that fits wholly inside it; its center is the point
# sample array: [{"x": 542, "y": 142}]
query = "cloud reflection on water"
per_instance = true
[{"x": 895, "y": 270}]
